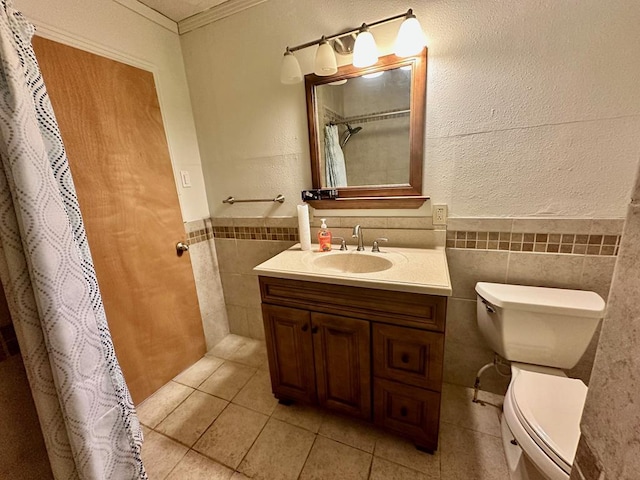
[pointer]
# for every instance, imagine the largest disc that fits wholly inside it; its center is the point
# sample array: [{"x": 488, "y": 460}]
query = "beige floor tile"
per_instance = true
[
  {"x": 399, "y": 450},
  {"x": 252, "y": 353},
  {"x": 279, "y": 452},
  {"x": 198, "y": 467},
  {"x": 329, "y": 459},
  {"x": 299, "y": 415},
  {"x": 199, "y": 371},
  {"x": 227, "y": 380},
  {"x": 160, "y": 454},
  {"x": 469, "y": 454},
  {"x": 230, "y": 437},
  {"x": 257, "y": 394},
  {"x": 191, "y": 419},
  {"x": 239, "y": 476},
  {"x": 352, "y": 432},
  {"x": 227, "y": 346},
  {"x": 155, "y": 408},
  {"x": 384, "y": 470},
  {"x": 457, "y": 408}
]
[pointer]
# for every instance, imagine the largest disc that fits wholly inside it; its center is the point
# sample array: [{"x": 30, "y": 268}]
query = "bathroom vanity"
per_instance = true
[{"x": 361, "y": 334}]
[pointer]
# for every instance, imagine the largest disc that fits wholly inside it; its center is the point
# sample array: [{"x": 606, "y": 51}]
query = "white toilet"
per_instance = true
[{"x": 541, "y": 331}]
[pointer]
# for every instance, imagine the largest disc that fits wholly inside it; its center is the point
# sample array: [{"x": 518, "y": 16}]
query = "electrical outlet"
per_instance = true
[{"x": 439, "y": 214}]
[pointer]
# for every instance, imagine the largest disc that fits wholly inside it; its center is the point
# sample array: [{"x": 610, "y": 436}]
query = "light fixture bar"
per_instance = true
[{"x": 348, "y": 32}]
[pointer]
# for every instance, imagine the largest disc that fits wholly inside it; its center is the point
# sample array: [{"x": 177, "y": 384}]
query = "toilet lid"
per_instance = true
[{"x": 550, "y": 408}]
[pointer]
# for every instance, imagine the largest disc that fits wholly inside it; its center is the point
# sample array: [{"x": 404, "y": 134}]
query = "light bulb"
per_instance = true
[
  {"x": 290, "y": 72},
  {"x": 410, "y": 40},
  {"x": 325, "y": 63},
  {"x": 365, "y": 51}
]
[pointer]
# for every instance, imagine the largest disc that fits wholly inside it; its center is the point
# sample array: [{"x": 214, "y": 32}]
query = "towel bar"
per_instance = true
[{"x": 231, "y": 200}]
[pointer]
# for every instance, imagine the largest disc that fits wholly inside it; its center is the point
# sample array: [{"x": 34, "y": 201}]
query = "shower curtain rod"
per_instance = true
[{"x": 371, "y": 116}]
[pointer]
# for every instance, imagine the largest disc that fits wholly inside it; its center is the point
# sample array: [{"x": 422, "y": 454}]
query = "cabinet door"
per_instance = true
[
  {"x": 290, "y": 350},
  {"x": 342, "y": 352}
]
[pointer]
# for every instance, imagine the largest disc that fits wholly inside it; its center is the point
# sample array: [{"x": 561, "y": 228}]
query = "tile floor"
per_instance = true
[{"x": 219, "y": 420}]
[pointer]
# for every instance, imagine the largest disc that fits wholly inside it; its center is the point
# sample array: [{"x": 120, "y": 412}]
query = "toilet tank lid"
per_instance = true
[{"x": 543, "y": 299}]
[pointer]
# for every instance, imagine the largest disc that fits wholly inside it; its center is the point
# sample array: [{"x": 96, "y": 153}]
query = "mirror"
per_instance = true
[{"x": 366, "y": 132}]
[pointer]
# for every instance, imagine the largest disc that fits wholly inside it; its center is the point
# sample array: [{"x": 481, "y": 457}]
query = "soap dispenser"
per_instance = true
[{"x": 324, "y": 237}]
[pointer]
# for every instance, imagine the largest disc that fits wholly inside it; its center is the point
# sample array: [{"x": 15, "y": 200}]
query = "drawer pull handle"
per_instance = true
[
  {"x": 405, "y": 358},
  {"x": 404, "y": 411},
  {"x": 314, "y": 329},
  {"x": 305, "y": 327}
]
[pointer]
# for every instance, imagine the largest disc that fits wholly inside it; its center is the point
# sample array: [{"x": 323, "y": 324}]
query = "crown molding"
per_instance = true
[
  {"x": 149, "y": 14},
  {"x": 216, "y": 13}
]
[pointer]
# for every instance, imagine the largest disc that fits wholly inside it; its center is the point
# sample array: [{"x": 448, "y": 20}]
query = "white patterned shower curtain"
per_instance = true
[{"x": 88, "y": 420}]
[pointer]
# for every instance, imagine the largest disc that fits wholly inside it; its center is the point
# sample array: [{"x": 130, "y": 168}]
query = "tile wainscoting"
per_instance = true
[
  {"x": 478, "y": 260},
  {"x": 243, "y": 242},
  {"x": 206, "y": 273}
]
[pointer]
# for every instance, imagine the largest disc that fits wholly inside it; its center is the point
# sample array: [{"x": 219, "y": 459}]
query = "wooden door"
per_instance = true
[
  {"x": 112, "y": 128},
  {"x": 342, "y": 353},
  {"x": 290, "y": 350}
]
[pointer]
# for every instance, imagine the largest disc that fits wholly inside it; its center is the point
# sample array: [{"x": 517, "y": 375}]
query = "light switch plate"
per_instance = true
[
  {"x": 185, "y": 178},
  {"x": 439, "y": 214}
]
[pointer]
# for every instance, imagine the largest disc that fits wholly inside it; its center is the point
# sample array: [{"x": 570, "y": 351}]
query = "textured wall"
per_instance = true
[
  {"x": 532, "y": 107},
  {"x": 105, "y": 26},
  {"x": 611, "y": 439}
]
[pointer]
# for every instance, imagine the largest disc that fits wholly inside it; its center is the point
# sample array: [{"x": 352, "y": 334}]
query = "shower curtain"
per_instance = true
[
  {"x": 88, "y": 420},
  {"x": 335, "y": 169}
]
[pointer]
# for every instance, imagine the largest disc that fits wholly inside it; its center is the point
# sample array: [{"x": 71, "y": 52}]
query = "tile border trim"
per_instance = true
[{"x": 568, "y": 243}]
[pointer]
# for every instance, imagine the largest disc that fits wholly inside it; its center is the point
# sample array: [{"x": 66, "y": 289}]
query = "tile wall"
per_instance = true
[
  {"x": 243, "y": 243},
  {"x": 204, "y": 261}
]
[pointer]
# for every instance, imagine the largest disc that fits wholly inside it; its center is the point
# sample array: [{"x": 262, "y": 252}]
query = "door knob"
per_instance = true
[{"x": 181, "y": 247}]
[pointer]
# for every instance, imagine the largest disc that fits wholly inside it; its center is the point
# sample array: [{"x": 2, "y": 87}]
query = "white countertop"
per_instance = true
[{"x": 414, "y": 270}]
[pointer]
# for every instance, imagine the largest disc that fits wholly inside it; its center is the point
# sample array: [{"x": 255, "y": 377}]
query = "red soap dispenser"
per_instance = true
[{"x": 324, "y": 237}]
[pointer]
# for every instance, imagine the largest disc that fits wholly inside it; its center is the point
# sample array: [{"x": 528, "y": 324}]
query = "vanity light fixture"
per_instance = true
[
  {"x": 290, "y": 72},
  {"x": 410, "y": 41},
  {"x": 325, "y": 63},
  {"x": 365, "y": 51}
]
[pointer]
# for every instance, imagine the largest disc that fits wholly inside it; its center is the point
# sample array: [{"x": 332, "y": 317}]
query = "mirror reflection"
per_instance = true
[{"x": 364, "y": 134}]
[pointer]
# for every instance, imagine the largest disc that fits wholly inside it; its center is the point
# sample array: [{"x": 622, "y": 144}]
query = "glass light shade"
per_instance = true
[
  {"x": 410, "y": 39},
  {"x": 365, "y": 51},
  {"x": 290, "y": 72},
  {"x": 325, "y": 63}
]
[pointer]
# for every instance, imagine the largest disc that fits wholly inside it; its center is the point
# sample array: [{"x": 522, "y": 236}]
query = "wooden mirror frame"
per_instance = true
[{"x": 383, "y": 196}]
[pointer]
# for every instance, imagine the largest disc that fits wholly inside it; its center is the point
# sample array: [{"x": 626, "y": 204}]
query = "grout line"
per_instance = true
[{"x": 315, "y": 437}]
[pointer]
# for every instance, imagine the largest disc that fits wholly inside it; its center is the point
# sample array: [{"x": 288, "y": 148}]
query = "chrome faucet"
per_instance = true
[{"x": 357, "y": 233}]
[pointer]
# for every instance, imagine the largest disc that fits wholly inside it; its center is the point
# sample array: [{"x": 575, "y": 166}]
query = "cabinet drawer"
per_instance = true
[
  {"x": 408, "y": 410},
  {"x": 400, "y": 308},
  {"x": 408, "y": 355}
]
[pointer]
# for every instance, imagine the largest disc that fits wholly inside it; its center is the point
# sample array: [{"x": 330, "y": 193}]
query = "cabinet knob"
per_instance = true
[
  {"x": 314, "y": 329},
  {"x": 305, "y": 327},
  {"x": 404, "y": 411},
  {"x": 405, "y": 358}
]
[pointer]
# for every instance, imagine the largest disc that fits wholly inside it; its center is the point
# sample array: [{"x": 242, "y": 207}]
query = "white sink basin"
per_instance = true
[
  {"x": 414, "y": 270},
  {"x": 357, "y": 262}
]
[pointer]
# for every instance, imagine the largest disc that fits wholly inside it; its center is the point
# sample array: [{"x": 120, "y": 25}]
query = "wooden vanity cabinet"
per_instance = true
[{"x": 372, "y": 354}]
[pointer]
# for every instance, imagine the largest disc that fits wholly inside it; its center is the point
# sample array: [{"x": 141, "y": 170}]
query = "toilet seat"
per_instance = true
[{"x": 544, "y": 413}]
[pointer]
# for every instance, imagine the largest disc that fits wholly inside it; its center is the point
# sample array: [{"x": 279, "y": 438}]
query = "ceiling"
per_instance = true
[{"x": 178, "y": 10}]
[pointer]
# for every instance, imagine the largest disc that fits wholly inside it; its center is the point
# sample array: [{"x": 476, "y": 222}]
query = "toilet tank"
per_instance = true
[{"x": 538, "y": 325}]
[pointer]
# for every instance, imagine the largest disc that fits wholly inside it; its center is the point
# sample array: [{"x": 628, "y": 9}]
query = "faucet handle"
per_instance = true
[
  {"x": 375, "y": 247},
  {"x": 343, "y": 243}
]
